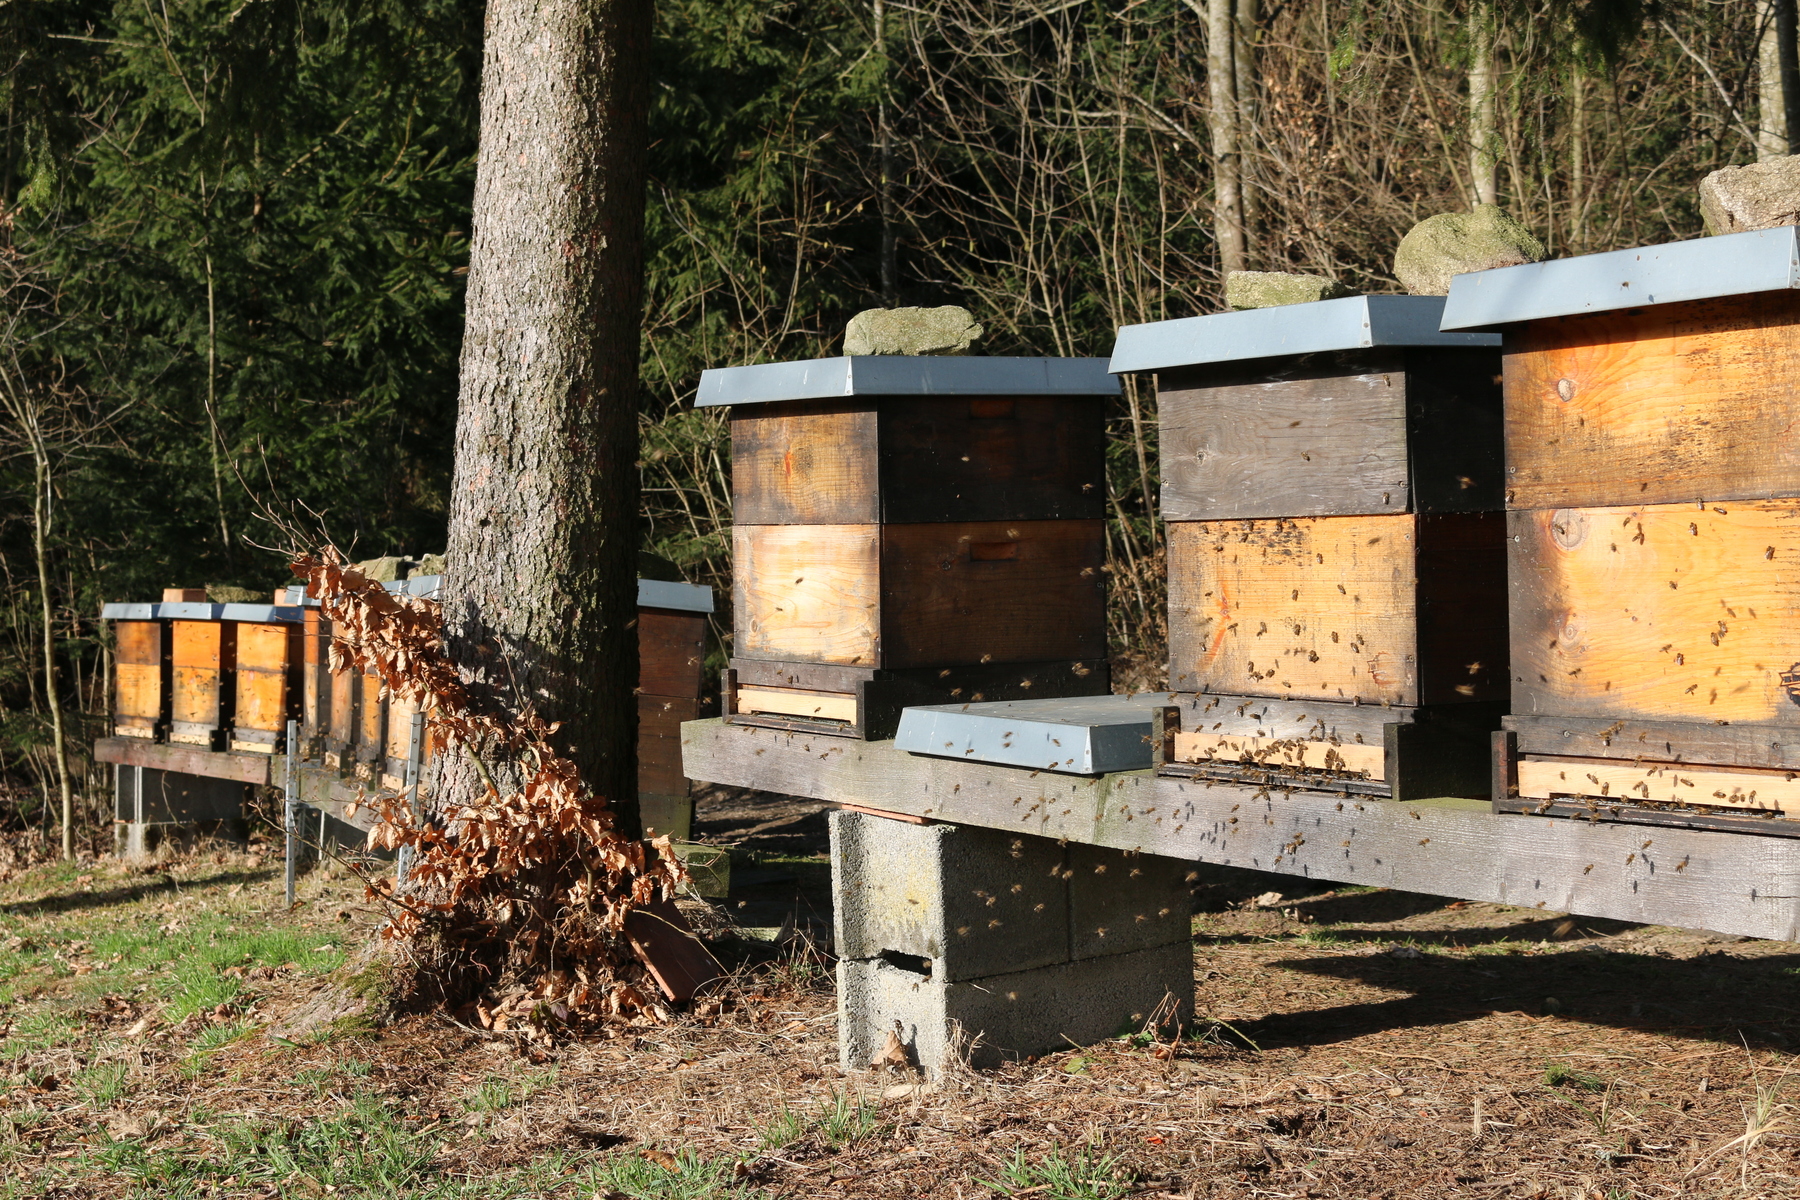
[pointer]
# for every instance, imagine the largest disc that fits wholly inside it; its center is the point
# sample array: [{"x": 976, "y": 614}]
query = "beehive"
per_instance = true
[
  {"x": 913, "y": 530},
  {"x": 1331, "y": 479},
  {"x": 671, "y": 627},
  {"x": 140, "y": 670},
  {"x": 267, "y": 691},
  {"x": 1651, "y": 488}
]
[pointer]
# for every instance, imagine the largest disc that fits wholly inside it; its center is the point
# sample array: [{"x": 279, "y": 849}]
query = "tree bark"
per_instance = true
[
  {"x": 1778, "y": 79},
  {"x": 1222, "y": 118},
  {"x": 541, "y": 591},
  {"x": 1483, "y": 132},
  {"x": 1243, "y": 82}
]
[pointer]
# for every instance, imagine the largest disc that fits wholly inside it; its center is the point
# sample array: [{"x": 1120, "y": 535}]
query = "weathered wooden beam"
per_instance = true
[
  {"x": 185, "y": 760},
  {"x": 1732, "y": 883}
]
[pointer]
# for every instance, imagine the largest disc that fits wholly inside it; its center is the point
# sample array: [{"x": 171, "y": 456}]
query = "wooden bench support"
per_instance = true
[{"x": 1728, "y": 882}]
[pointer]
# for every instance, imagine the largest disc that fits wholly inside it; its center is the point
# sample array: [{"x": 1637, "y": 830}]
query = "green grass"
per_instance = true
[
  {"x": 844, "y": 1121},
  {"x": 694, "y": 1178},
  {"x": 1082, "y": 1176},
  {"x": 1561, "y": 1074},
  {"x": 102, "y": 1084}
]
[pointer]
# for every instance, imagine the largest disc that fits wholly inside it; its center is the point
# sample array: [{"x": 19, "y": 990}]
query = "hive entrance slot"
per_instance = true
[{"x": 915, "y": 963}]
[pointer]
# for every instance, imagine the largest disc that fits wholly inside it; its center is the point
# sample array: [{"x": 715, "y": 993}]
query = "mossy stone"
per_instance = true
[{"x": 1457, "y": 243}]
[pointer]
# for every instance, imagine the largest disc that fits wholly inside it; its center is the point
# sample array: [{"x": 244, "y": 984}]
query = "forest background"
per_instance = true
[{"x": 233, "y": 237}]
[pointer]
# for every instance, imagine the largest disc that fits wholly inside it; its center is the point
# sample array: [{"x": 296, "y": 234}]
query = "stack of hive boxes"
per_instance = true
[
  {"x": 1654, "y": 534},
  {"x": 1332, "y": 487},
  {"x": 212, "y": 676},
  {"x": 913, "y": 530}
]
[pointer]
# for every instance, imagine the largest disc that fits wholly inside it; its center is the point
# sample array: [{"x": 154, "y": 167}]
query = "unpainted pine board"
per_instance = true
[
  {"x": 1010, "y": 458},
  {"x": 1669, "y": 611},
  {"x": 1311, "y": 608},
  {"x": 1654, "y": 405},
  {"x": 671, "y": 652},
  {"x": 992, "y": 592},
  {"x": 371, "y": 730},
  {"x": 194, "y": 696},
  {"x": 1734, "y": 883},
  {"x": 138, "y": 642},
  {"x": 262, "y": 647},
  {"x": 262, "y": 700},
  {"x": 804, "y": 463},
  {"x": 205, "y": 644},
  {"x": 139, "y": 692},
  {"x": 1665, "y": 782},
  {"x": 341, "y": 728},
  {"x": 796, "y": 702},
  {"x": 1671, "y": 741},
  {"x": 807, "y": 593},
  {"x": 1324, "y": 435},
  {"x": 315, "y": 641}
]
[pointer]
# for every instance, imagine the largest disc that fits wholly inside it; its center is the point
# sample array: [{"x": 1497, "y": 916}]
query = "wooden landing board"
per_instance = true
[{"x": 1728, "y": 882}]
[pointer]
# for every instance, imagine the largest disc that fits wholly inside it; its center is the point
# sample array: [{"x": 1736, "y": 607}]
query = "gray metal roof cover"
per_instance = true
[
  {"x": 905, "y": 375},
  {"x": 1351, "y": 323},
  {"x": 1078, "y": 735},
  {"x": 661, "y": 593},
  {"x": 262, "y": 614},
  {"x": 1736, "y": 264},
  {"x": 128, "y": 612}
]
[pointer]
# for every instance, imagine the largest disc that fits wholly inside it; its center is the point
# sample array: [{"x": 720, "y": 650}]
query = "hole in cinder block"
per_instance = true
[{"x": 915, "y": 963}]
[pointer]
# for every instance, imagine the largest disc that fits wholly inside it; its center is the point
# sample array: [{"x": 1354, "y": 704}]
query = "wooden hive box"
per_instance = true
[
  {"x": 203, "y": 672},
  {"x": 1331, "y": 479},
  {"x": 911, "y": 531},
  {"x": 672, "y": 619},
  {"x": 141, "y": 671},
  {"x": 1653, "y": 496},
  {"x": 267, "y": 688}
]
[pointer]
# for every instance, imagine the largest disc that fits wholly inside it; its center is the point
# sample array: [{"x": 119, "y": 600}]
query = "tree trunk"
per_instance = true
[
  {"x": 1222, "y": 118},
  {"x": 1483, "y": 133},
  {"x": 541, "y": 592},
  {"x": 884, "y": 137},
  {"x": 40, "y": 534},
  {"x": 1778, "y": 79},
  {"x": 1243, "y": 80},
  {"x": 1578, "y": 155}
]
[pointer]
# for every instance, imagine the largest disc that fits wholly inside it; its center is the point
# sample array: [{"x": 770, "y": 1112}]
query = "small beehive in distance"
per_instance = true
[
  {"x": 1331, "y": 479},
  {"x": 1653, "y": 490},
  {"x": 268, "y": 685},
  {"x": 913, "y": 530},
  {"x": 140, "y": 670},
  {"x": 671, "y": 625}
]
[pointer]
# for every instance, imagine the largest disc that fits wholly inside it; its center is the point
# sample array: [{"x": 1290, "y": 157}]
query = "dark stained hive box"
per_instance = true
[
  {"x": 1332, "y": 486},
  {"x": 913, "y": 531},
  {"x": 1652, "y": 485},
  {"x": 672, "y": 619}
]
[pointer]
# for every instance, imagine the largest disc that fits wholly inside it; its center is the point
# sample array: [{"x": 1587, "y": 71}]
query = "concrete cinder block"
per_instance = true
[
  {"x": 1006, "y": 1016},
  {"x": 975, "y": 902},
  {"x": 1120, "y": 902}
]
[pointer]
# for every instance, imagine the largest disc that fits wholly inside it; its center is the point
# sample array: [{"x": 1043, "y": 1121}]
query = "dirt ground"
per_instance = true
[{"x": 1354, "y": 1043}]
